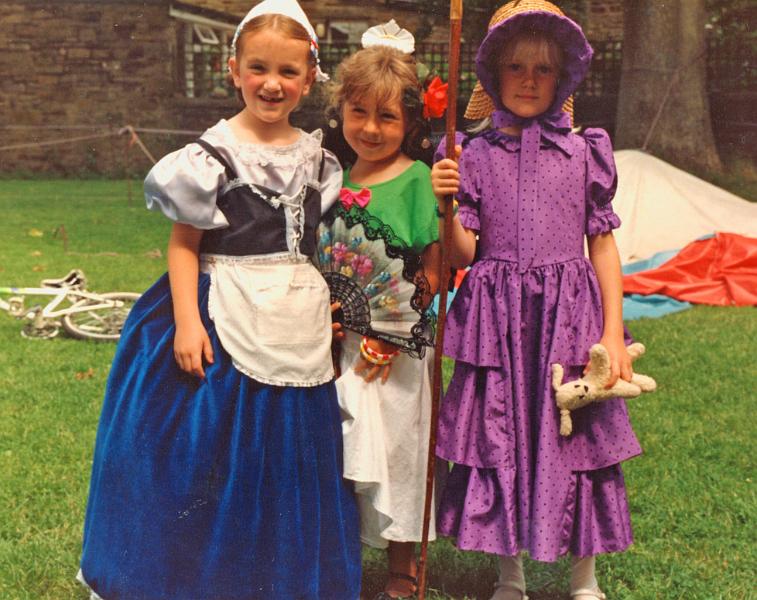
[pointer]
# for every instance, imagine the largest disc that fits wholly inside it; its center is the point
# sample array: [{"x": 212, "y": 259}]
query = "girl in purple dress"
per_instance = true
[{"x": 530, "y": 190}]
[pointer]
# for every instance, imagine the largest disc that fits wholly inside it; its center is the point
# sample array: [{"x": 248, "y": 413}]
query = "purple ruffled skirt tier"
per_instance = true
[{"x": 517, "y": 484}]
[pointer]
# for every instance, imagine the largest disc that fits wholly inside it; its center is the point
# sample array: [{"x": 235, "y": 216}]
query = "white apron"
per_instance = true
[{"x": 272, "y": 316}]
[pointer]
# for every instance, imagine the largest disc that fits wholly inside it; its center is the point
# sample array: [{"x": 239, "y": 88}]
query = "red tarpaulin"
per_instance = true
[{"x": 721, "y": 270}]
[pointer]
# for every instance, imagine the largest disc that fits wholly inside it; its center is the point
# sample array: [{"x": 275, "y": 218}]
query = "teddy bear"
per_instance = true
[{"x": 591, "y": 387}]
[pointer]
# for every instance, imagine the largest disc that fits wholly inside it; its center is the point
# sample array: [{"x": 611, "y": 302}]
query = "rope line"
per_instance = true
[
  {"x": 135, "y": 140},
  {"x": 80, "y": 138},
  {"x": 129, "y": 130},
  {"x": 100, "y": 127},
  {"x": 169, "y": 131}
]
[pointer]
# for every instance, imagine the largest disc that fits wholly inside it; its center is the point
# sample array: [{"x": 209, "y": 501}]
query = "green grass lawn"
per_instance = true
[{"x": 691, "y": 493}]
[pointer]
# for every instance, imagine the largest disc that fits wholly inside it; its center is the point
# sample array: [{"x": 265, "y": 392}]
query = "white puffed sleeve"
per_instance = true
[
  {"x": 331, "y": 181},
  {"x": 184, "y": 185}
]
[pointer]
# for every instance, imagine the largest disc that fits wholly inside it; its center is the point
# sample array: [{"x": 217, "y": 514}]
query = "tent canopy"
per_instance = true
[{"x": 665, "y": 208}]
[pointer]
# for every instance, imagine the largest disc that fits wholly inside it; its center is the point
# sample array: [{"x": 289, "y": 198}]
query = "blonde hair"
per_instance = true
[
  {"x": 286, "y": 26},
  {"x": 379, "y": 72},
  {"x": 385, "y": 75},
  {"x": 548, "y": 49}
]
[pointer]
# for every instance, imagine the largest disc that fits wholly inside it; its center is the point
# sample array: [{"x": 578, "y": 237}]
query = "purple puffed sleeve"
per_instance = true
[
  {"x": 601, "y": 182},
  {"x": 469, "y": 194}
]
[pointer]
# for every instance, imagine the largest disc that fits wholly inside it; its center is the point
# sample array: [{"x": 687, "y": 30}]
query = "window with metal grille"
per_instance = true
[{"x": 203, "y": 53}]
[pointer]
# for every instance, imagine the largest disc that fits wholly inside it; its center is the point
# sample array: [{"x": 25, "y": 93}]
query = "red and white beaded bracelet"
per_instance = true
[{"x": 374, "y": 357}]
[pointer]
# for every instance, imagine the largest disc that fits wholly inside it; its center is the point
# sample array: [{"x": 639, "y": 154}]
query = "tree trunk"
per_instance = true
[{"x": 663, "y": 104}]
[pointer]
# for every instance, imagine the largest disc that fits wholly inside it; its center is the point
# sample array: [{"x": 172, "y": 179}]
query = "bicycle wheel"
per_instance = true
[{"x": 103, "y": 323}]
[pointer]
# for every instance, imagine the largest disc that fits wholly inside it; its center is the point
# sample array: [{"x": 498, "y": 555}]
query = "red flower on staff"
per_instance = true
[{"x": 435, "y": 99}]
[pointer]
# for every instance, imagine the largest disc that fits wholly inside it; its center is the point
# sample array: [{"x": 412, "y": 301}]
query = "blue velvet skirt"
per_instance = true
[{"x": 215, "y": 488}]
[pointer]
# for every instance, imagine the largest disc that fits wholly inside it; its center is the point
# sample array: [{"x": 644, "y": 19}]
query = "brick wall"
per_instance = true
[
  {"x": 603, "y": 19},
  {"x": 108, "y": 63},
  {"x": 76, "y": 63},
  {"x": 238, "y": 8},
  {"x": 322, "y": 11}
]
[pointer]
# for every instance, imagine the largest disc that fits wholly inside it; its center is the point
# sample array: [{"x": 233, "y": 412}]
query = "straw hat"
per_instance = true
[{"x": 481, "y": 104}]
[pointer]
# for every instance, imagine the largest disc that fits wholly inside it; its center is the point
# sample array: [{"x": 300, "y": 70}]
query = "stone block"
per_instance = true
[
  {"x": 87, "y": 35},
  {"x": 79, "y": 53}
]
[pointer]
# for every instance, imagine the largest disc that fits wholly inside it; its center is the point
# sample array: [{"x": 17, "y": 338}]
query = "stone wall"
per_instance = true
[
  {"x": 76, "y": 64},
  {"x": 237, "y": 8},
  {"x": 103, "y": 64},
  {"x": 603, "y": 19},
  {"x": 83, "y": 68},
  {"x": 322, "y": 11}
]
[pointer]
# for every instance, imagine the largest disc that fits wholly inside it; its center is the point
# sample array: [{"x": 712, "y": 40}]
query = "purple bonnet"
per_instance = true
[{"x": 577, "y": 52}]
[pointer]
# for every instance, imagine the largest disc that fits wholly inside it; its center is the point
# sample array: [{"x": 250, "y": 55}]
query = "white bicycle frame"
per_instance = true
[
  {"x": 103, "y": 313},
  {"x": 73, "y": 295}
]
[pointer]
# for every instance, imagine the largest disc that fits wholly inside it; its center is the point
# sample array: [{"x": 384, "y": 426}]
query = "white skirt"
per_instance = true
[{"x": 386, "y": 433}]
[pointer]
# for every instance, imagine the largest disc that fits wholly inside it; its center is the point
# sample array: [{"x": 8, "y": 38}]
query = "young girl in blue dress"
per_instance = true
[
  {"x": 531, "y": 191},
  {"x": 218, "y": 463},
  {"x": 386, "y": 404}
]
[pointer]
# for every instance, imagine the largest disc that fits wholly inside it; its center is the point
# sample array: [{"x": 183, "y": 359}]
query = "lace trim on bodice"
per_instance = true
[{"x": 305, "y": 149}]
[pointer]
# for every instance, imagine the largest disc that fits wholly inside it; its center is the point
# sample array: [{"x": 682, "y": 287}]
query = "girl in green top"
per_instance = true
[{"x": 386, "y": 403}]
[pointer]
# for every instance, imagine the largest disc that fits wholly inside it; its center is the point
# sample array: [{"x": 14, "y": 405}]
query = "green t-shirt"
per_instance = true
[{"x": 406, "y": 203}]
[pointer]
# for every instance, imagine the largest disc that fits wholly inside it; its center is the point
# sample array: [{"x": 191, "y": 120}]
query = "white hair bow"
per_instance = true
[{"x": 389, "y": 34}]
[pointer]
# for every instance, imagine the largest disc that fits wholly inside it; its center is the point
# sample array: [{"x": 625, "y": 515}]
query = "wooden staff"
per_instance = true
[{"x": 455, "y": 24}]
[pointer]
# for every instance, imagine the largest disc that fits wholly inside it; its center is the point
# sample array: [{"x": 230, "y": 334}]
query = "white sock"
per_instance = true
[
  {"x": 582, "y": 576},
  {"x": 511, "y": 573}
]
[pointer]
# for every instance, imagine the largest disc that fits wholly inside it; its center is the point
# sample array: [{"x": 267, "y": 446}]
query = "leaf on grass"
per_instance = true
[
  {"x": 38, "y": 268},
  {"x": 36, "y": 253},
  {"x": 88, "y": 374},
  {"x": 155, "y": 253},
  {"x": 33, "y": 232}
]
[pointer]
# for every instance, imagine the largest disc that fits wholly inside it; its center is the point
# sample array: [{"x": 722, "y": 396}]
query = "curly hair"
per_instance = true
[{"x": 385, "y": 75}]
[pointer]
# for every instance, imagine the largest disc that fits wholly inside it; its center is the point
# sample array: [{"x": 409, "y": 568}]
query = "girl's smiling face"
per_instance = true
[
  {"x": 375, "y": 132},
  {"x": 273, "y": 73},
  {"x": 528, "y": 77}
]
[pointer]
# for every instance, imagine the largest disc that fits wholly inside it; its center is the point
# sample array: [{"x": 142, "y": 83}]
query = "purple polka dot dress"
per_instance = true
[{"x": 531, "y": 299}]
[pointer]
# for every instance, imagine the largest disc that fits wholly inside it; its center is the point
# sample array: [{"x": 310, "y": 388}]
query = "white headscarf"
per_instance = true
[{"x": 288, "y": 8}]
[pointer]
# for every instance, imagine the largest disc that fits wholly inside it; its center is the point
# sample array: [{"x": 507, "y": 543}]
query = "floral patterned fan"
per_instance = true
[{"x": 376, "y": 278}]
